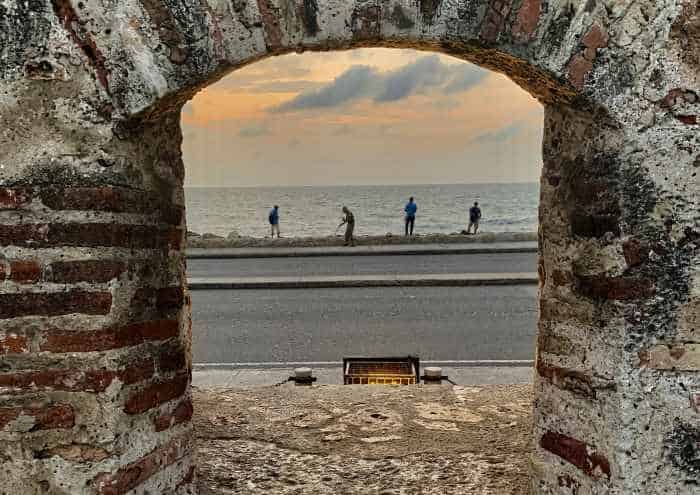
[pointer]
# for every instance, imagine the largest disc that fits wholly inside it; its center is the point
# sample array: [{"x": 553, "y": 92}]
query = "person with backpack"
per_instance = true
[
  {"x": 474, "y": 217},
  {"x": 410, "y": 209},
  {"x": 274, "y": 219}
]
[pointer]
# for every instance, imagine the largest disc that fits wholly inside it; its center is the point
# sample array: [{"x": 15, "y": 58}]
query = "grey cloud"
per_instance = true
[
  {"x": 464, "y": 78},
  {"x": 352, "y": 84},
  {"x": 254, "y": 130},
  {"x": 361, "y": 81},
  {"x": 424, "y": 73}
]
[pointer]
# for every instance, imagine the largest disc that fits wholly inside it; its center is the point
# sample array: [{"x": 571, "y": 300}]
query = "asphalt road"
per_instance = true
[
  {"x": 436, "y": 323},
  {"x": 363, "y": 265}
]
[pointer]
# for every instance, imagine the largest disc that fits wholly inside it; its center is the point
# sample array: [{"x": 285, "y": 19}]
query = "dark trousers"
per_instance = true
[{"x": 410, "y": 221}]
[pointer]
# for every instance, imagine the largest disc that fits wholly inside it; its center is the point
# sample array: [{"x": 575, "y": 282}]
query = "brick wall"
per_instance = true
[{"x": 94, "y": 322}]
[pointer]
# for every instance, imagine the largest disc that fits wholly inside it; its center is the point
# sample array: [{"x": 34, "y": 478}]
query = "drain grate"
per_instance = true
[{"x": 381, "y": 370}]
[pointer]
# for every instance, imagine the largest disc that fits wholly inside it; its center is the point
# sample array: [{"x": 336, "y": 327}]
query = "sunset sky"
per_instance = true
[{"x": 369, "y": 116}]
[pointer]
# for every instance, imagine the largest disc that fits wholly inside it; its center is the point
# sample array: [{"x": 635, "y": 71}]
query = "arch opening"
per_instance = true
[{"x": 94, "y": 319}]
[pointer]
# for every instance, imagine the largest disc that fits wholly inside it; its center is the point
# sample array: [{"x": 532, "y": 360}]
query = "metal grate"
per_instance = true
[{"x": 381, "y": 371}]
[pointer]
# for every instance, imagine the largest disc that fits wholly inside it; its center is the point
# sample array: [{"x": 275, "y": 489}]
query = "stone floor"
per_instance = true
[{"x": 380, "y": 440}]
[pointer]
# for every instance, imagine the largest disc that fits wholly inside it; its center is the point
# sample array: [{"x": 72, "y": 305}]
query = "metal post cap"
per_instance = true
[
  {"x": 433, "y": 372},
  {"x": 302, "y": 373}
]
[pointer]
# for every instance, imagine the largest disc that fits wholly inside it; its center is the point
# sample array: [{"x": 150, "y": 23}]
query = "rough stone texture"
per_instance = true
[
  {"x": 431, "y": 440},
  {"x": 91, "y": 172}
]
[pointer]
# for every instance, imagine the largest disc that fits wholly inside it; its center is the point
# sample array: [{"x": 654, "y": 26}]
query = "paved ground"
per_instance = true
[
  {"x": 363, "y": 265},
  {"x": 445, "y": 323},
  {"x": 362, "y": 249},
  {"x": 252, "y": 377},
  {"x": 362, "y": 440}
]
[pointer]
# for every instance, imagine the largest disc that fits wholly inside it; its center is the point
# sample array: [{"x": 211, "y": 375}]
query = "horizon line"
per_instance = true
[{"x": 254, "y": 186}]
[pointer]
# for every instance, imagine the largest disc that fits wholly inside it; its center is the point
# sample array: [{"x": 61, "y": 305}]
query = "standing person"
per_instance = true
[
  {"x": 274, "y": 219},
  {"x": 474, "y": 217},
  {"x": 410, "y": 210},
  {"x": 349, "y": 222}
]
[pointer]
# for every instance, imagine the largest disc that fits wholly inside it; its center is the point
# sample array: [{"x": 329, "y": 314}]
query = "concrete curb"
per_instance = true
[
  {"x": 365, "y": 281},
  {"x": 382, "y": 250},
  {"x": 479, "y": 363}
]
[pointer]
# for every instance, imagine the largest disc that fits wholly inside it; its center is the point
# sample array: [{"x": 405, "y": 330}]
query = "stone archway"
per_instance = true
[{"x": 94, "y": 317}]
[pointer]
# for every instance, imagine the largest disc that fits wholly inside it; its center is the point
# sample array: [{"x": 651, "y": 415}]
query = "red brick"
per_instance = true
[
  {"x": 58, "y": 379},
  {"x": 13, "y": 344},
  {"x": 688, "y": 119},
  {"x": 567, "y": 379},
  {"x": 173, "y": 359},
  {"x": 94, "y": 271},
  {"x": 91, "y": 235},
  {"x": 58, "y": 416},
  {"x": 157, "y": 394},
  {"x": 143, "y": 296},
  {"x": 527, "y": 20},
  {"x": 112, "y": 199},
  {"x": 110, "y": 338},
  {"x": 25, "y": 271},
  {"x": 181, "y": 414},
  {"x": 137, "y": 372},
  {"x": 134, "y": 474},
  {"x": 594, "y": 225},
  {"x": 495, "y": 18},
  {"x": 596, "y": 38},
  {"x": 170, "y": 298},
  {"x": 55, "y": 303},
  {"x": 576, "y": 452},
  {"x": 579, "y": 67},
  {"x": 27, "y": 235},
  {"x": 615, "y": 288},
  {"x": 14, "y": 198},
  {"x": 72, "y": 380}
]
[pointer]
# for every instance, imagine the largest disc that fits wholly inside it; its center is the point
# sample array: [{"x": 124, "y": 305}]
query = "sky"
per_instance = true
[{"x": 366, "y": 116}]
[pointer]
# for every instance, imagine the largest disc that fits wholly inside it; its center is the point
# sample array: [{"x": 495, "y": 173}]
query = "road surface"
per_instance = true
[
  {"x": 436, "y": 323},
  {"x": 363, "y": 265}
]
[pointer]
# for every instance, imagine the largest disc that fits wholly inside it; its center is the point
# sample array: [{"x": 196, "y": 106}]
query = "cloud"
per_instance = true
[
  {"x": 362, "y": 81},
  {"x": 352, "y": 84},
  {"x": 464, "y": 79},
  {"x": 501, "y": 135},
  {"x": 254, "y": 130},
  {"x": 424, "y": 73}
]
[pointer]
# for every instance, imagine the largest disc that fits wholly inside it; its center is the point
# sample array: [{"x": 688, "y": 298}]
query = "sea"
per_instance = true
[{"x": 316, "y": 210}]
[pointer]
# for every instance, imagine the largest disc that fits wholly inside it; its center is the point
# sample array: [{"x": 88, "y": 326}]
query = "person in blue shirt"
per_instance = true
[
  {"x": 474, "y": 218},
  {"x": 410, "y": 209},
  {"x": 274, "y": 219}
]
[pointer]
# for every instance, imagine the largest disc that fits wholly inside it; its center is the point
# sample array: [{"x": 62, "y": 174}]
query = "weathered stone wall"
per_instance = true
[{"x": 94, "y": 317}]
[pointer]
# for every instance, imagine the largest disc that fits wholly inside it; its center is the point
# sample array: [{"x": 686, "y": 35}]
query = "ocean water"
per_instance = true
[{"x": 316, "y": 211}]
